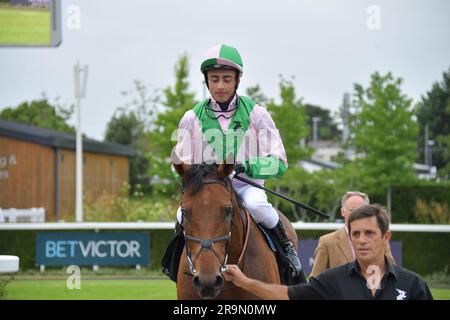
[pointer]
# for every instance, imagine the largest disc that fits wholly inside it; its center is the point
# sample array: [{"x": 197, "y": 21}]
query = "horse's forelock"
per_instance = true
[{"x": 196, "y": 174}]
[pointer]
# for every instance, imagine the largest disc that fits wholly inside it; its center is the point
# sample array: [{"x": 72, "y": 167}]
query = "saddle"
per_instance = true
[{"x": 282, "y": 261}]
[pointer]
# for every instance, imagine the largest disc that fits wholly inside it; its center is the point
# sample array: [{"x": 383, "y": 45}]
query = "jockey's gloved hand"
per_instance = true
[{"x": 239, "y": 168}]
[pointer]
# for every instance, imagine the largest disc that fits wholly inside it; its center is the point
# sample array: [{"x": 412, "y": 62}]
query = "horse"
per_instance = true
[{"x": 217, "y": 232}]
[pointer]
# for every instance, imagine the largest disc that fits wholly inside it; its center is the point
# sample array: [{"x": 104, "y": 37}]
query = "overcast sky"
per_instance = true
[{"x": 326, "y": 45}]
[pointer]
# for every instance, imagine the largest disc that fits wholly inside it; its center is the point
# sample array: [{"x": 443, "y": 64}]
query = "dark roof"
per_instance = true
[{"x": 57, "y": 139}]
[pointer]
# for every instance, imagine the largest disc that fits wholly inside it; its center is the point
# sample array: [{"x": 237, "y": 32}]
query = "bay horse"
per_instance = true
[{"x": 217, "y": 232}]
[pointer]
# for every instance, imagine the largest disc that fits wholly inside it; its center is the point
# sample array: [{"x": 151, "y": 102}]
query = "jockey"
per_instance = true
[{"x": 228, "y": 123}]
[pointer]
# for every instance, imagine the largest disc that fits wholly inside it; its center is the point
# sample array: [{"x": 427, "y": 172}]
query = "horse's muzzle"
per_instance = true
[{"x": 208, "y": 287}]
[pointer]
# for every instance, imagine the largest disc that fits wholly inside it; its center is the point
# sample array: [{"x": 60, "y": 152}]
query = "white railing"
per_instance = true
[
  {"x": 171, "y": 225},
  {"x": 22, "y": 215}
]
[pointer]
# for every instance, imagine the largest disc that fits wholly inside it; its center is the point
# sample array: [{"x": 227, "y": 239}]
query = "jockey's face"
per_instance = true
[{"x": 222, "y": 84}]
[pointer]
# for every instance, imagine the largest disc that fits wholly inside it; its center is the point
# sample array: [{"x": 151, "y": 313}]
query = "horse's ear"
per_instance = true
[
  {"x": 181, "y": 168},
  {"x": 225, "y": 169}
]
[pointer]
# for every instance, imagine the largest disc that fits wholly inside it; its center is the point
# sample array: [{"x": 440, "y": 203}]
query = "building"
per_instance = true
[
  {"x": 325, "y": 151},
  {"x": 37, "y": 169}
]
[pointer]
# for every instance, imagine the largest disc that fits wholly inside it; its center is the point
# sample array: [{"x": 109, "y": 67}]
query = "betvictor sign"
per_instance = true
[{"x": 92, "y": 248}]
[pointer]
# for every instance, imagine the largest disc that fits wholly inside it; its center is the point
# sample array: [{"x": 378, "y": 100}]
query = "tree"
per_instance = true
[
  {"x": 256, "y": 95},
  {"x": 385, "y": 136},
  {"x": 129, "y": 126},
  {"x": 177, "y": 101},
  {"x": 433, "y": 112},
  {"x": 327, "y": 128},
  {"x": 291, "y": 121},
  {"x": 40, "y": 113}
]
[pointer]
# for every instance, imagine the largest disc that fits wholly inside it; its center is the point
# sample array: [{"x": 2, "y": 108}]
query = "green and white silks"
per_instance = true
[{"x": 248, "y": 135}]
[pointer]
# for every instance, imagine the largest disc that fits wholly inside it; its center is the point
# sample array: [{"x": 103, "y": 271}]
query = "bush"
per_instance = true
[
  {"x": 135, "y": 208},
  {"x": 435, "y": 213},
  {"x": 439, "y": 278},
  {"x": 318, "y": 190},
  {"x": 404, "y": 201}
]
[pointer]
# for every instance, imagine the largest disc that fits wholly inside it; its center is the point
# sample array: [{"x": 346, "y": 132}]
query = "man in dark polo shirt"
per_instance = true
[{"x": 370, "y": 276}]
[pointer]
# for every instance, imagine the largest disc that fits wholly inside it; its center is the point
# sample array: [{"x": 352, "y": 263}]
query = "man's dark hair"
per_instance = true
[{"x": 367, "y": 211}]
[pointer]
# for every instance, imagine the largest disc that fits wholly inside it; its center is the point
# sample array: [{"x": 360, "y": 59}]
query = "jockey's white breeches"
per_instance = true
[{"x": 255, "y": 200}]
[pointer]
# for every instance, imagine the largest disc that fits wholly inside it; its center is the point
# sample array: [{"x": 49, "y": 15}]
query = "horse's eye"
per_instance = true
[
  {"x": 229, "y": 211},
  {"x": 186, "y": 214}
]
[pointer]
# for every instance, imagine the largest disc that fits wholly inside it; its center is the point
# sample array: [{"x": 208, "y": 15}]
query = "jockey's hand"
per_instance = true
[{"x": 239, "y": 168}]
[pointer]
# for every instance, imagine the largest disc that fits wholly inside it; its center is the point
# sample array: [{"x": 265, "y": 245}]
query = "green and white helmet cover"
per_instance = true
[{"x": 222, "y": 55}]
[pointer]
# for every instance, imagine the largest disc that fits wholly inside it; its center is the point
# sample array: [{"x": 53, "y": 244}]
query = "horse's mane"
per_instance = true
[{"x": 197, "y": 172}]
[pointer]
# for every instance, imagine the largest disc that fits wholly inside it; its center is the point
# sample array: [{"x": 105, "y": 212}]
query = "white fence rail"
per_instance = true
[
  {"x": 22, "y": 215},
  {"x": 171, "y": 225}
]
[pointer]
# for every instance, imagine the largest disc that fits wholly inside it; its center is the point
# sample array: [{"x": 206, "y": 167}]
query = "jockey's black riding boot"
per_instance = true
[
  {"x": 172, "y": 256},
  {"x": 178, "y": 229},
  {"x": 280, "y": 232}
]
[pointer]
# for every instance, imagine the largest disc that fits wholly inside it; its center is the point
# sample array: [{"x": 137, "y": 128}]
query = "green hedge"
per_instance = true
[
  {"x": 423, "y": 252},
  {"x": 403, "y": 199}
]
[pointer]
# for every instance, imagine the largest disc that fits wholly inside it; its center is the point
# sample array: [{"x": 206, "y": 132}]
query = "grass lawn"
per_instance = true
[
  {"x": 111, "y": 290},
  {"x": 92, "y": 290},
  {"x": 440, "y": 294},
  {"x": 24, "y": 26}
]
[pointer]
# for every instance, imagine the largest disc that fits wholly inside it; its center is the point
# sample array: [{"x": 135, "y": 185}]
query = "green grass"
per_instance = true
[
  {"x": 111, "y": 290},
  {"x": 91, "y": 290},
  {"x": 441, "y": 294},
  {"x": 24, "y": 26}
]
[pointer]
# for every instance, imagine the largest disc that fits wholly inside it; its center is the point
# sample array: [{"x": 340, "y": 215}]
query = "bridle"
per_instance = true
[{"x": 207, "y": 244}]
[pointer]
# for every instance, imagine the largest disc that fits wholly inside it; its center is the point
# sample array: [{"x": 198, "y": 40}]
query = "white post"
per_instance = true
[
  {"x": 79, "y": 142},
  {"x": 315, "y": 121}
]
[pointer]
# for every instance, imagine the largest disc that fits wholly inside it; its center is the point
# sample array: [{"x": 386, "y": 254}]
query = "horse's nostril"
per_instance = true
[
  {"x": 196, "y": 282},
  {"x": 219, "y": 282}
]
